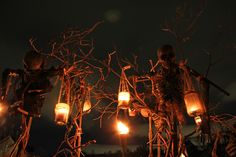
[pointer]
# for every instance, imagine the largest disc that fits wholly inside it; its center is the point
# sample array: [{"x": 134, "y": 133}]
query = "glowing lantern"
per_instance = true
[
  {"x": 124, "y": 94},
  {"x": 122, "y": 128},
  {"x": 144, "y": 112},
  {"x": 62, "y": 113},
  {"x": 194, "y": 104},
  {"x": 87, "y": 103},
  {"x": 87, "y": 106},
  {"x": 123, "y": 100},
  {"x": 132, "y": 113},
  {"x": 198, "y": 120}
]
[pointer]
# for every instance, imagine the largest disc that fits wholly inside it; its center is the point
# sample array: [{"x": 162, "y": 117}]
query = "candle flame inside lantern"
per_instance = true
[
  {"x": 194, "y": 104},
  {"x": 122, "y": 128},
  {"x": 123, "y": 99},
  {"x": 62, "y": 113}
]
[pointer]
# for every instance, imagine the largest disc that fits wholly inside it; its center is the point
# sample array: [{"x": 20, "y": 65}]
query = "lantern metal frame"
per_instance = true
[{"x": 124, "y": 89}]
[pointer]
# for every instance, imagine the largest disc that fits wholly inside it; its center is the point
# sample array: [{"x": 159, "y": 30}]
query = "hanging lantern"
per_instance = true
[
  {"x": 87, "y": 106},
  {"x": 132, "y": 112},
  {"x": 62, "y": 113},
  {"x": 144, "y": 112},
  {"x": 124, "y": 94},
  {"x": 194, "y": 104},
  {"x": 193, "y": 101}
]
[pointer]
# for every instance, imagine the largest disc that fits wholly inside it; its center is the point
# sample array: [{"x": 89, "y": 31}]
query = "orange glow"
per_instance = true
[
  {"x": 87, "y": 106},
  {"x": 198, "y": 120},
  {"x": 123, "y": 100},
  {"x": 144, "y": 112},
  {"x": 122, "y": 128},
  {"x": 182, "y": 155},
  {"x": 62, "y": 113},
  {"x": 3, "y": 108},
  {"x": 194, "y": 104},
  {"x": 132, "y": 113}
]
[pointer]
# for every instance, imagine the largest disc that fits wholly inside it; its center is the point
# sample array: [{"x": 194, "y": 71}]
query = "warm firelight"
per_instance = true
[
  {"x": 122, "y": 128},
  {"x": 3, "y": 108},
  {"x": 62, "y": 113},
  {"x": 123, "y": 100},
  {"x": 194, "y": 104},
  {"x": 182, "y": 155},
  {"x": 198, "y": 120},
  {"x": 144, "y": 112},
  {"x": 132, "y": 113},
  {"x": 87, "y": 106}
]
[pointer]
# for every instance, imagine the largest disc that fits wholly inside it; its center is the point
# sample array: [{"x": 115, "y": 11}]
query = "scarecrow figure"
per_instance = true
[
  {"x": 30, "y": 86},
  {"x": 33, "y": 81},
  {"x": 167, "y": 84}
]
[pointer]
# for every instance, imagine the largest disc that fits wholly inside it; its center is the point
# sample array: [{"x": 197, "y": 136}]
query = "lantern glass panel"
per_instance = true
[
  {"x": 123, "y": 100},
  {"x": 87, "y": 106},
  {"x": 62, "y": 113},
  {"x": 194, "y": 104}
]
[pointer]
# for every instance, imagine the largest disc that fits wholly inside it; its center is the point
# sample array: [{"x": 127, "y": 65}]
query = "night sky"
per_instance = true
[{"x": 133, "y": 27}]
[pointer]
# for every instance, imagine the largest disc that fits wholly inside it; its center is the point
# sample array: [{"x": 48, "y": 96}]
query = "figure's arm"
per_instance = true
[
  {"x": 6, "y": 77},
  {"x": 148, "y": 76},
  {"x": 196, "y": 74}
]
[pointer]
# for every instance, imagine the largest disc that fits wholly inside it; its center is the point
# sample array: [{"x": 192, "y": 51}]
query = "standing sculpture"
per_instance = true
[
  {"x": 30, "y": 86},
  {"x": 167, "y": 86}
]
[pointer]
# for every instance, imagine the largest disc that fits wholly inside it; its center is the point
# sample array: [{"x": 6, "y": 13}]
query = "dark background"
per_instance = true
[{"x": 133, "y": 27}]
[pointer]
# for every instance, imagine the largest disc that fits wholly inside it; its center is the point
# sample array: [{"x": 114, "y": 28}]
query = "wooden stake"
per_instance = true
[
  {"x": 79, "y": 131},
  {"x": 150, "y": 137},
  {"x": 123, "y": 144},
  {"x": 158, "y": 146},
  {"x": 175, "y": 132}
]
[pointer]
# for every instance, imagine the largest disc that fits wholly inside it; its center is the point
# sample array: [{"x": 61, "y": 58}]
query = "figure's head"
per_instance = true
[
  {"x": 33, "y": 60},
  {"x": 166, "y": 53}
]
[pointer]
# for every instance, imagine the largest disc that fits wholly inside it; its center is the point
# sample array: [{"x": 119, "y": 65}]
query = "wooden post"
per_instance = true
[
  {"x": 21, "y": 143},
  {"x": 174, "y": 131},
  {"x": 79, "y": 131},
  {"x": 123, "y": 144},
  {"x": 28, "y": 132},
  {"x": 175, "y": 137},
  {"x": 158, "y": 146},
  {"x": 150, "y": 136}
]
